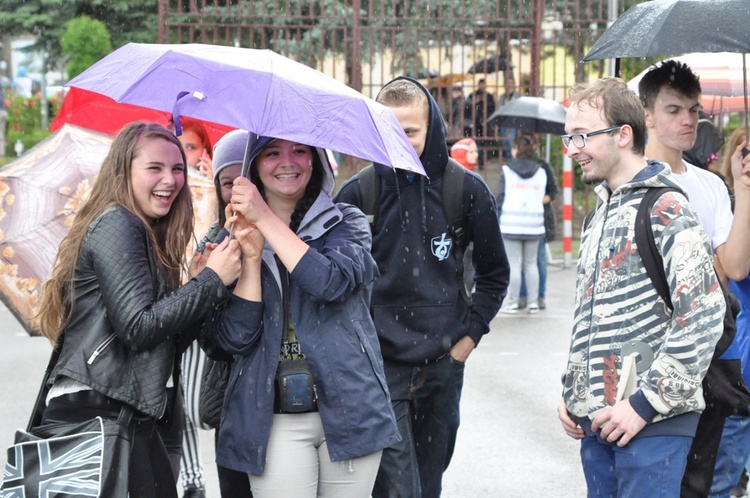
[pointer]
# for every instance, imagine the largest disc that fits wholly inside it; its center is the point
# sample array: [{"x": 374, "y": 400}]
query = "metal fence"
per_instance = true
[{"x": 450, "y": 45}]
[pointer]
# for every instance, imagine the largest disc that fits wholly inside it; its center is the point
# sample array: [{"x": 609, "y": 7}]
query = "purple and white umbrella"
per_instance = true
[{"x": 256, "y": 90}]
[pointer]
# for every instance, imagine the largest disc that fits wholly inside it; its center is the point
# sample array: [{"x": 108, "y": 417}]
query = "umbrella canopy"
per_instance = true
[
  {"x": 721, "y": 78},
  {"x": 40, "y": 194},
  {"x": 98, "y": 112},
  {"x": 492, "y": 64},
  {"x": 256, "y": 90},
  {"x": 670, "y": 27},
  {"x": 531, "y": 114}
]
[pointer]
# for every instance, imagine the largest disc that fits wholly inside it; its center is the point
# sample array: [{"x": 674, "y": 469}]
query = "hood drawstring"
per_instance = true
[
  {"x": 424, "y": 205},
  {"x": 400, "y": 207}
]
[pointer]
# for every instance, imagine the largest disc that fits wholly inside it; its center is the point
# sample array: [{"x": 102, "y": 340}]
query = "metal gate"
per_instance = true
[{"x": 450, "y": 45}]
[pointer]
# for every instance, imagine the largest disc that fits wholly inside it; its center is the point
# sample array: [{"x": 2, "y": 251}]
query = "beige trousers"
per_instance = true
[{"x": 298, "y": 464}]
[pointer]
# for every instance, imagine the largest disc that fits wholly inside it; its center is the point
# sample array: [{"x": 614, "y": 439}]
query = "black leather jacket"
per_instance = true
[{"x": 125, "y": 327}]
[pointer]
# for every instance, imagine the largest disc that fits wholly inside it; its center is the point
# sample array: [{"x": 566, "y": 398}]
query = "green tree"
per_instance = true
[
  {"x": 126, "y": 20},
  {"x": 85, "y": 41},
  {"x": 308, "y": 30}
]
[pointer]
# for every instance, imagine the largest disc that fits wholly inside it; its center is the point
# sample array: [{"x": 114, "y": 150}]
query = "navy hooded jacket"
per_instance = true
[
  {"x": 416, "y": 303},
  {"x": 329, "y": 296}
]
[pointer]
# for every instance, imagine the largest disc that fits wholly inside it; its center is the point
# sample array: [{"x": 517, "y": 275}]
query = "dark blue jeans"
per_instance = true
[
  {"x": 732, "y": 456},
  {"x": 426, "y": 401},
  {"x": 647, "y": 466}
]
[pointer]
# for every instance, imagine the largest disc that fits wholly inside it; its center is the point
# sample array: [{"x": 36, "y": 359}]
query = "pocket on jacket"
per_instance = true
[{"x": 373, "y": 355}]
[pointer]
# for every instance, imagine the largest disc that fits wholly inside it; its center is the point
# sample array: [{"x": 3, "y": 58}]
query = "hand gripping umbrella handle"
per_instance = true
[{"x": 245, "y": 171}]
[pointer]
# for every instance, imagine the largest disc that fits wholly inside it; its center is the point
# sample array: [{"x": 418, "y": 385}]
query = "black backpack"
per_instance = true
[
  {"x": 723, "y": 384},
  {"x": 453, "y": 206}
]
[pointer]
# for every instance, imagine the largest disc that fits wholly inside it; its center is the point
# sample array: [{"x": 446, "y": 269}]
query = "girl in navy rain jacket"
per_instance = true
[{"x": 285, "y": 214}]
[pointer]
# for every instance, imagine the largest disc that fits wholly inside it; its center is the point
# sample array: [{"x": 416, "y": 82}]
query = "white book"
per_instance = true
[{"x": 627, "y": 384}]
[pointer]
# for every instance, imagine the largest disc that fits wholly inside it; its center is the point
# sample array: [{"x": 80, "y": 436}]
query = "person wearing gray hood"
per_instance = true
[
  {"x": 307, "y": 408},
  {"x": 523, "y": 190}
]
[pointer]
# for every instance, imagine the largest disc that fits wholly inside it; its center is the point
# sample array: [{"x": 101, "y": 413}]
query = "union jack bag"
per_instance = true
[
  {"x": 70, "y": 460},
  {"x": 56, "y": 460}
]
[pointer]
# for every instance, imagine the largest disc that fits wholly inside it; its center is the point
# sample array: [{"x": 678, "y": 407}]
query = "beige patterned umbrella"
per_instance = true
[{"x": 40, "y": 193}]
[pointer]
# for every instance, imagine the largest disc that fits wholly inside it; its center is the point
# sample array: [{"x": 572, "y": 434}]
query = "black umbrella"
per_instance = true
[
  {"x": 489, "y": 65},
  {"x": 531, "y": 114},
  {"x": 670, "y": 27}
]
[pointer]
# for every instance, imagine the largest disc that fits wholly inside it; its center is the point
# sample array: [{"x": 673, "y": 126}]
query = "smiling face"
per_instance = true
[
  {"x": 600, "y": 157},
  {"x": 673, "y": 121},
  {"x": 285, "y": 169},
  {"x": 226, "y": 180},
  {"x": 157, "y": 176}
]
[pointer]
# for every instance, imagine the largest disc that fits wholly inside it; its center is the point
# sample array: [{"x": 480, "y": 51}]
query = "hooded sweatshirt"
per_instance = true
[
  {"x": 416, "y": 303},
  {"x": 620, "y": 315}
]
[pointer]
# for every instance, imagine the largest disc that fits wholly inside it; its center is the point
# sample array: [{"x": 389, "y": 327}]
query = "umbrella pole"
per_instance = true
[{"x": 244, "y": 172}]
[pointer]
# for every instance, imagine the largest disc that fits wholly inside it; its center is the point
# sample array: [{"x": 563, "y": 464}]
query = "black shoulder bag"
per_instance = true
[
  {"x": 294, "y": 380},
  {"x": 90, "y": 458}
]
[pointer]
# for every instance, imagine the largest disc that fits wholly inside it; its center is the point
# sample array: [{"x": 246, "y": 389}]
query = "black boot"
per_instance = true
[{"x": 740, "y": 488}]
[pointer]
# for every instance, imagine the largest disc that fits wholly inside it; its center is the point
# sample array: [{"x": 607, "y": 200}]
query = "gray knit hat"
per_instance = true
[{"x": 229, "y": 150}]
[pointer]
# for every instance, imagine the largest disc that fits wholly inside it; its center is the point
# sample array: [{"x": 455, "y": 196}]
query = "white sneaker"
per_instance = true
[
  {"x": 533, "y": 308},
  {"x": 511, "y": 309}
]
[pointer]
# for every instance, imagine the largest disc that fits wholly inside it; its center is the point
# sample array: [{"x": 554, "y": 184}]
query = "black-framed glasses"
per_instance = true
[{"x": 579, "y": 139}]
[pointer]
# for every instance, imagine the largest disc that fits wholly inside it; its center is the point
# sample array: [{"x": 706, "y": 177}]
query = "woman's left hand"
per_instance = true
[{"x": 199, "y": 260}]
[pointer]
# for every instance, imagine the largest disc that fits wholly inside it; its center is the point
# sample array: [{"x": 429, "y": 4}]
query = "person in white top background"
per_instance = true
[{"x": 670, "y": 93}]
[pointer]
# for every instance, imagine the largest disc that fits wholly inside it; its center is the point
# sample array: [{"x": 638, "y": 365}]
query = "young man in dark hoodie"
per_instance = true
[{"x": 426, "y": 328}]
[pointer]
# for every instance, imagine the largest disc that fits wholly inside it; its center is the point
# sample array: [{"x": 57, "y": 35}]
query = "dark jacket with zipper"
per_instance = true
[
  {"x": 329, "y": 293},
  {"x": 417, "y": 303},
  {"x": 122, "y": 339}
]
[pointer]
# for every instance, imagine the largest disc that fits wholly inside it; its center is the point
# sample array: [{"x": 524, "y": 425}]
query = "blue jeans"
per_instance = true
[
  {"x": 647, "y": 466},
  {"x": 732, "y": 456},
  {"x": 426, "y": 402},
  {"x": 541, "y": 264}
]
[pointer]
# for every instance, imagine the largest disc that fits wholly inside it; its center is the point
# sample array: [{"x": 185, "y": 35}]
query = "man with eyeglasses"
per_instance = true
[
  {"x": 670, "y": 93},
  {"x": 632, "y": 387}
]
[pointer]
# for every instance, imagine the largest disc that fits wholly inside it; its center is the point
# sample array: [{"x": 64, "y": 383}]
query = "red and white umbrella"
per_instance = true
[
  {"x": 722, "y": 80},
  {"x": 98, "y": 112}
]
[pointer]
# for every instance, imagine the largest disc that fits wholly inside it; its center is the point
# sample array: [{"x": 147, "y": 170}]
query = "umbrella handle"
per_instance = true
[{"x": 245, "y": 171}]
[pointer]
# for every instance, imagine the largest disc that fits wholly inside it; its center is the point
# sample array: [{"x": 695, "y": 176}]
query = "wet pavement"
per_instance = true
[{"x": 510, "y": 443}]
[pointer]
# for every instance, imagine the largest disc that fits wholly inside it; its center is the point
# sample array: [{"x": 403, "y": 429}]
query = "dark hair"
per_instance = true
[
  {"x": 314, "y": 186},
  {"x": 677, "y": 75},
  {"x": 618, "y": 104},
  {"x": 708, "y": 141},
  {"x": 190, "y": 124}
]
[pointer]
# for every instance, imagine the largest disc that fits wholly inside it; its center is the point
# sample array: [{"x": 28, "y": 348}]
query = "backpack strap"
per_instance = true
[
  {"x": 588, "y": 218},
  {"x": 644, "y": 240},
  {"x": 453, "y": 207},
  {"x": 369, "y": 190},
  {"x": 453, "y": 199}
]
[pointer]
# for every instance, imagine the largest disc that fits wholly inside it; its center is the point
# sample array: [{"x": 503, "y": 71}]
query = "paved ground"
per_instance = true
[{"x": 510, "y": 443}]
